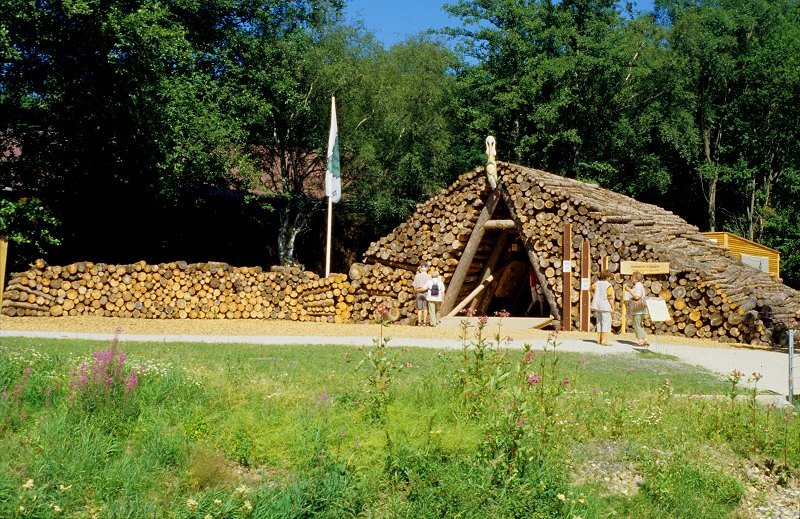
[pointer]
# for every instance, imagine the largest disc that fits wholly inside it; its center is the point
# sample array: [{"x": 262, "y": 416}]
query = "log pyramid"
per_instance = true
[{"x": 709, "y": 293}]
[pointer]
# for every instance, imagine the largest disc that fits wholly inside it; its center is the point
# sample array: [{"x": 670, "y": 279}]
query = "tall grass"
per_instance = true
[{"x": 292, "y": 431}]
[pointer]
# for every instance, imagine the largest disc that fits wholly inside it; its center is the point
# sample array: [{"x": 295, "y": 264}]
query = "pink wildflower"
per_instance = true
[
  {"x": 132, "y": 381},
  {"x": 533, "y": 378},
  {"x": 529, "y": 355},
  {"x": 483, "y": 320}
]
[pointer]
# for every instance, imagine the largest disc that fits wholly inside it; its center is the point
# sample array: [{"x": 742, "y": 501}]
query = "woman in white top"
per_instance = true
[
  {"x": 435, "y": 291},
  {"x": 637, "y": 308},
  {"x": 603, "y": 304}
]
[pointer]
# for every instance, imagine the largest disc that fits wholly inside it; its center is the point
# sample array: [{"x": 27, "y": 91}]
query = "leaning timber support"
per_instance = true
[{"x": 456, "y": 282}]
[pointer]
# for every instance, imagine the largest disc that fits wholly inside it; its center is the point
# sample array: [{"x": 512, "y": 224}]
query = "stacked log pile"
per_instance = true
[
  {"x": 709, "y": 293},
  {"x": 178, "y": 290}
]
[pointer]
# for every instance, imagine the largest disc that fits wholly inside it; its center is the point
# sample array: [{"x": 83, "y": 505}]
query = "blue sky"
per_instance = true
[{"x": 394, "y": 20}]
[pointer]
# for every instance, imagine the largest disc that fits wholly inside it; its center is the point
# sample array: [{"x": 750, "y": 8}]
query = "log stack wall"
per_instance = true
[{"x": 178, "y": 291}]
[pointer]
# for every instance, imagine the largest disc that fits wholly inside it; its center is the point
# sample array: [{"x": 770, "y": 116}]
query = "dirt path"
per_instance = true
[{"x": 244, "y": 327}]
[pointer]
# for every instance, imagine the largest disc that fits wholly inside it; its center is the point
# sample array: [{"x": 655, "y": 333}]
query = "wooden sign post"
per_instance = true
[
  {"x": 586, "y": 283},
  {"x": 3, "y": 255},
  {"x": 566, "y": 268}
]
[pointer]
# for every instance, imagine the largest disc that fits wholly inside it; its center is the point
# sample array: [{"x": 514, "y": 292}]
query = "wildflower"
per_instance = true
[
  {"x": 57, "y": 509},
  {"x": 21, "y": 509},
  {"x": 357, "y": 443},
  {"x": 469, "y": 312},
  {"x": 3, "y": 394},
  {"x": 595, "y": 390},
  {"x": 381, "y": 313},
  {"x": 64, "y": 488},
  {"x": 356, "y": 402},
  {"x": 735, "y": 375},
  {"x": 755, "y": 377},
  {"x": 502, "y": 313},
  {"x": 208, "y": 516},
  {"x": 631, "y": 370},
  {"x": 247, "y": 507},
  {"x": 408, "y": 365},
  {"x": 565, "y": 382},
  {"x": 553, "y": 335},
  {"x": 324, "y": 396},
  {"x": 483, "y": 320},
  {"x": 529, "y": 355},
  {"x": 346, "y": 355},
  {"x": 242, "y": 489},
  {"x": 28, "y": 485},
  {"x": 561, "y": 497},
  {"x": 191, "y": 503},
  {"x": 131, "y": 381},
  {"x": 582, "y": 361},
  {"x": 218, "y": 502},
  {"x": 533, "y": 378}
]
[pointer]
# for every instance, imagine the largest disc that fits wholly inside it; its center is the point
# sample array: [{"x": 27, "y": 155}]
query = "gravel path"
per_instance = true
[{"x": 723, "y": 359}]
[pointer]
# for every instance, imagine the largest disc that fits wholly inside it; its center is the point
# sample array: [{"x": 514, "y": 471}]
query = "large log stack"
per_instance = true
[
  {"x": 709, "y": 293},
  {"x": 178, "y": 290}
]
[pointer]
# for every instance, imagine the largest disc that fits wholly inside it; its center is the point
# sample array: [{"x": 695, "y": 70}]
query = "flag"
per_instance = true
[{"x": 333, "y": 175}]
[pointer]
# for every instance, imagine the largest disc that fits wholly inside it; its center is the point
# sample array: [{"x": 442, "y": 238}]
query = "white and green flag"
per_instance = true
[{"x": 333, "y": 175}]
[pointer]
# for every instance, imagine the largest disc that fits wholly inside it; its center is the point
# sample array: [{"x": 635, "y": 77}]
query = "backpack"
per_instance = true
[{"x": 435, "y": 289}]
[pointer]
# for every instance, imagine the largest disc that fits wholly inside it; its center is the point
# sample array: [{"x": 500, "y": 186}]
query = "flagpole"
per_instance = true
[
  {"x": 328, "y": 248},
  {"x": 333, "y": 183}
]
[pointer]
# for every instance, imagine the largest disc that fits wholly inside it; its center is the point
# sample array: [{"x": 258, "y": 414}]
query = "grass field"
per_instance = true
[{"x": 217, "y": 430}]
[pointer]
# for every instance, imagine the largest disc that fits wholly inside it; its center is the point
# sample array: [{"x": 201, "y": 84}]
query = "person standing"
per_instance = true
[
  {"x": 536, "y": 294},
  {"x": 420, "y": 280},
  {"x": 637, "y": 307},
  {"x": 435, "y": 291},
  {"x": 603, "y": 303}
]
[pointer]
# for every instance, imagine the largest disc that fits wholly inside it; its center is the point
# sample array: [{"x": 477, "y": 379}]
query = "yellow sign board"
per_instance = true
[{"x": 645, "y": 267}]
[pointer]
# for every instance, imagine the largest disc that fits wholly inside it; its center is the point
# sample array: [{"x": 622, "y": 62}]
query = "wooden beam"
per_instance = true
[
  {"x": 499, "y": 224},
  {"x": 470, "y": 297},
  {"x": 566, "y": 284},
  {"x": 586, "y": 283},
  {"x": 3, "y": 256},
  {"x": 457, "y": 280}
]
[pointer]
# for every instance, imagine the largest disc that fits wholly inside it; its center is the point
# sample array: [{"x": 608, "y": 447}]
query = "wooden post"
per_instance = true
[
  {"x": 566, "y": 291},
  {"x": 328, "y": 247},
  {"x": 3, "y": 256},
  {"x": 455, "y": 283},
  {"x": 586, "y": 283}
]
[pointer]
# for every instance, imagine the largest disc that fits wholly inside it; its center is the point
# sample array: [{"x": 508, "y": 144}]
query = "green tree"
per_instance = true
[{"x": 400, "y": 141}]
